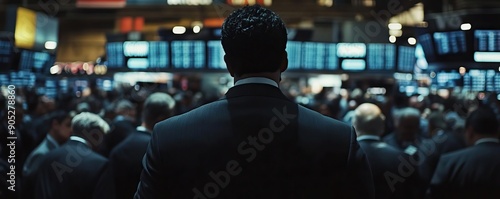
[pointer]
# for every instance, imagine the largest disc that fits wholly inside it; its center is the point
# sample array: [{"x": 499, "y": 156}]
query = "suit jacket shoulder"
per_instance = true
[{"x": 468, "y": 172}]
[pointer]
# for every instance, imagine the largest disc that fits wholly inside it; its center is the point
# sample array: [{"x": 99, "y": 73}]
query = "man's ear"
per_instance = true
[
  {"x": 229, "y": 65},
  {"x": 284, "y": 62}
]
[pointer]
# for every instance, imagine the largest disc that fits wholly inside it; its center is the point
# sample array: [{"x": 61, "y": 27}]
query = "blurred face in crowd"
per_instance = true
[{"x": 61, "y": 130}]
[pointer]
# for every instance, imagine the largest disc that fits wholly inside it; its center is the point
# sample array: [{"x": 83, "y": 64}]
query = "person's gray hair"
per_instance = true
[
  {"x": 86, "y": 122},
  {"x": 123, "y": 105}
]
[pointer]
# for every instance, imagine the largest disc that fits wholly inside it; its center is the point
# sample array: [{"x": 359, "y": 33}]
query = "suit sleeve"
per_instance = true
[
  {"x": 439, "y": 179},
  {"x": 105, "y": 187},
  {"x": 360, "y": 180},
  {"x": 150, "y": 185}
]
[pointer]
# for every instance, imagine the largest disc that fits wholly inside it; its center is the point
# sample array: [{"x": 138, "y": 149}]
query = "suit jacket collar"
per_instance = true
[
  {"x": 51, "y": 142},
  {"x": 255, "y": 90},
  {"x": 368, "y": 138},
  {"x": 142, "y": 129},
  {"x": 487, "y": 140}
]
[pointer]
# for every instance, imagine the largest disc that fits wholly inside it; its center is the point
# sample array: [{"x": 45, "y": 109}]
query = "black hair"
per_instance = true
[
  {"x": 482, "y": 121},
  {"x": 254, "y": 40}
]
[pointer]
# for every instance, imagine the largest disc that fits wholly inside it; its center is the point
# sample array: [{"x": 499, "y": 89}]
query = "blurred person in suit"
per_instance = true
[
  {"x": 406, "y": 136},
  {"x": 385, "y": 160},
  {"x": 74, "y": 170},
  {"x": 473, "y": 172},
  {"x": 254, "y": 143},
  {"x": 442, "y": 141},
  {"x": 126, "y": 158},
  {"x": 122, "y": 126},
  {"x": 59, "y": 133}
]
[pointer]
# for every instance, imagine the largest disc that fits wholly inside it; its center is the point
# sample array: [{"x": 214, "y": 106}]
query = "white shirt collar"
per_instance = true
[
  {"x": 368, "y": 137},
  {"x": 144, "y": 129},
  {"x": 78, "y": 139},
  {"x": 52, "y": 140},
  {"x": 258, "y": 80},
  {"x": 483, "y": 140}
]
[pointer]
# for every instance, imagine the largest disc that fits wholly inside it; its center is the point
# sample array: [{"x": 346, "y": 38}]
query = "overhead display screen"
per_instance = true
[
  {"x": 487, "y": 45},
  {"x": 491, "y": 81},
  {"x": 104, "y": 84},
  {"x": 188, "y": 54},
  {"x": 450, "y": 42},
  {"x": 50, "y": 89},
  {"x": 36, "y": 61},
  {"x": 158, "y": 54},
  {"x": 496, "y": 81},
  {"x": 487, "y": 40},
  {"x": 447, "y": 79},
  {"x": 4, "y": 79},
  {"x": 136, "y": 54},
  {"x": 313, "y": 56},
  {"x": 215, "y": 55},
  {"x": 6, "y": 52},
  {"x": 425, "y": 41},
  {"x": 63, "y": 85},
  {"x": 22, "y": 78},
  {"x": 406, "y": 59},
  {"x": 475, "y": 80},
  {"x": 353, "y": 64},
  {"x": 294, "y": 51},
  {"x": 351, "y": 50},
  {"x": 349, "y": 54},
  {"x": 381, "y": 56},
  {"x": 332, "y": 62},
  {"x": 114, "y": 55}
]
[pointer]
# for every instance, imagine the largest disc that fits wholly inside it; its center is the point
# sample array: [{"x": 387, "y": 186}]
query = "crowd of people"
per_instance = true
[{"x": 253, "y": 142}]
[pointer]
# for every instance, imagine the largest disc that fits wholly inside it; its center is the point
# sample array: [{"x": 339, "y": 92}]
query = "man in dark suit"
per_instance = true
[
  {"x": 473, "y": 172},
  {"x": 442, "y": 141},
  {"x": 126, "y": 158},
  {"x": 122, "y": 126},
  {"x": 59, "y": 133},
  {"x": 255, "y": 143},
  {"x": 385, "y": 161},
  {"x": 74, "y": 170},
  {"x": 406, "y": 136}
]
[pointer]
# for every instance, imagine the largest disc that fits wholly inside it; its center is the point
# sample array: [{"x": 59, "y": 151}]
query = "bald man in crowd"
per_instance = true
[{"x": 384, "y": 159}]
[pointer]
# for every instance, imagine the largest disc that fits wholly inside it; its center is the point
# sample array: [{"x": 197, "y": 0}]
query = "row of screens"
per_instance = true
[
  {"x": 25, "y": 60},
  {"x": 474, "y": 80},
  {"x": 51, "y": 87},
  {"x": 438, "y": 45},
  {"x": 139, "y": 55},
  {"x": 18, "y": 78}
]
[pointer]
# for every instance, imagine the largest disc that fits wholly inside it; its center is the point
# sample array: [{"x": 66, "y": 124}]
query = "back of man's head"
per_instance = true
[
  {"x": 157, "y": 107},
  {"x": 408, "y": 118},
  {"x": 123, "y": 106},
  {"x": 89, "y": 126},
  {"x": 254, "y": 40},
  {"x": 482, "y": 122},
  {"x": 368, "y": 120}
]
